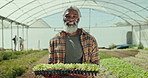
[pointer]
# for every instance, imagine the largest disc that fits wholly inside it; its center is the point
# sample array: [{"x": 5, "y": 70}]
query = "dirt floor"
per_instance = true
[
  {"x": 120, "y": 53},
  {"x": 116, "y": 53}
]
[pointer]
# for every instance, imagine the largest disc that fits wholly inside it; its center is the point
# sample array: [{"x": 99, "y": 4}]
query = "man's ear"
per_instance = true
[{"x": 78, "y": 19}]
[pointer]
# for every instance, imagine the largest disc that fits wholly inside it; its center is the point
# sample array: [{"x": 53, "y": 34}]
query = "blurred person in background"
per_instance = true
[
  {"x": 15, "y": 40},
  {"x": 21, "y": 40}
]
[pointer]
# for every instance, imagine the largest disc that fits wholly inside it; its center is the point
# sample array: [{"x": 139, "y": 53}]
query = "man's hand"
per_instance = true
[
  {"x": 78, "y": 75},
  {"x": 53, "y": 76}
]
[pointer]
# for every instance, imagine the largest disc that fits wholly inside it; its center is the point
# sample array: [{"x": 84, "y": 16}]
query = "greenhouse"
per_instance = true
[{"x": 120, "y": 28}]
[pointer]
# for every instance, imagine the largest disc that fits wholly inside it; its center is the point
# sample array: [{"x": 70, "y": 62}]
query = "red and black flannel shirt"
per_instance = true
[{"x": 57, "y": 48}]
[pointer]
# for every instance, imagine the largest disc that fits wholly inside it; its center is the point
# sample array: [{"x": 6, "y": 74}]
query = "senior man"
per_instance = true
[{"x": 73, "y": 44}]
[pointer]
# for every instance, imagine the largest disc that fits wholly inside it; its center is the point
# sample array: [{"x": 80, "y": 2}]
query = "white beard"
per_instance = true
[{"x": 71, "y": 29}]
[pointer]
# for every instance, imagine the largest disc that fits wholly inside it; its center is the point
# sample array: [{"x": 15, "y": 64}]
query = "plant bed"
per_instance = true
[
  {"x": 123, "y": 69},
  {"x": 17, "y": 67}
]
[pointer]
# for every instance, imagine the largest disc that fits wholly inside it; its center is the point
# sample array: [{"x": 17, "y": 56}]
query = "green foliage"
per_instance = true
[
  {"x": 112, "y": 46},
  {"x": 140, "y": 46},
  {"x": 61, "y": 66},
  {"x": 123, "y": 69},
  {"x": 1, "y": 56},
  {"x": 18, "y": 52},
  {"x": 104, "y": 56},
  {"x": 16, "y": 67},
  {"x": 8, "y": 54},
  {"x": 132, "y": 46},
  {"x": 18, "y": 70},
  {"x": 146, "y": 49},
  {"x": 12, "y": 71}
]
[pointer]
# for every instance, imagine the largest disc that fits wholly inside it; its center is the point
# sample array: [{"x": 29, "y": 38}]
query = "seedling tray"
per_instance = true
[{"x": 50, "y": 72}]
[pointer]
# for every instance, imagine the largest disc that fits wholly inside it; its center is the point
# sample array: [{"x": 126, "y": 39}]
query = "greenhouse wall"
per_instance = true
[
  {"x": 143, "y": 38},
  {"x": 105, "y": 36}
]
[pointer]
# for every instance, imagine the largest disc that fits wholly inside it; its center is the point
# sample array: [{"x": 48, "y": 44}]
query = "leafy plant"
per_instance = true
[
  {"x": 61, "y": 66},
  {"x": 104, "y": 56},
  {"x": 123, "y": 69},
  {"x": 7, "y": 55},
  {"x": 16, "y": 67},
  {"x": 12, "y": 71},
  {"x": 112, "y": 46},
  {"x": 140, "y": 46},
  {"x": 1, "y": 56}
]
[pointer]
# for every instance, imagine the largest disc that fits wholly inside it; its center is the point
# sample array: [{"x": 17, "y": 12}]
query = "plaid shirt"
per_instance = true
[{"x": 57, "y": 48}]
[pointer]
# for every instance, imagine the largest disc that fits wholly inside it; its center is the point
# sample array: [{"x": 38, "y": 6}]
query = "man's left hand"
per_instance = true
[{"x": 78, "y": 75}]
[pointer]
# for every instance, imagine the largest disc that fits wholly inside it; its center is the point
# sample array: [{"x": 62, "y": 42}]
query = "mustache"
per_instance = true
[{"x": 71, "y": 21}]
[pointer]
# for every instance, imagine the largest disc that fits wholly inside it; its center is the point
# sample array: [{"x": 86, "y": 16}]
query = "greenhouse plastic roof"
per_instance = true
[{"x": 26, "y": 12}]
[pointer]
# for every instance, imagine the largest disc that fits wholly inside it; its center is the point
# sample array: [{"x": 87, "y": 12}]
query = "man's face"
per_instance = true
[{"x": 71, "y": 18}]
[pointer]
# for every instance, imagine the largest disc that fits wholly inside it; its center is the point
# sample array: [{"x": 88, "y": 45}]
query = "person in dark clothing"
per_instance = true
[{"x": 15, "y": 42}]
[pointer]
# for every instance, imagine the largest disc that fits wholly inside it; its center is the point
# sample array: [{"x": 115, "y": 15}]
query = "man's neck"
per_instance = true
[
  {"x": 74, "y": 33},
  {"x": 71, "y": 34}
]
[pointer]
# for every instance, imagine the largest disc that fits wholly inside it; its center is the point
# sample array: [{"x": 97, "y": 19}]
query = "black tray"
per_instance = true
[{"x": 50, "y": 72}]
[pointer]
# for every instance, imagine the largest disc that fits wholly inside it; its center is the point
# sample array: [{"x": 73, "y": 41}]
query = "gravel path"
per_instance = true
[{"x": 120, "y": 53}]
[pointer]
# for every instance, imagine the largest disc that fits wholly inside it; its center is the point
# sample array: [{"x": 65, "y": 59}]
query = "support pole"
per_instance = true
[
  {"x": 2, "y": 36},
  {"x": 27, "y": 37},
  {"x": 89, "y": 19},
  {"x": 39, "y": 44},
  {"x": 139, "y": 34},
  {"x": 11, "y": 37},
  {"x": 132, "y": 34},
  {"x": 18, "y": 37},
  {"x": 23, "y": 32}
]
